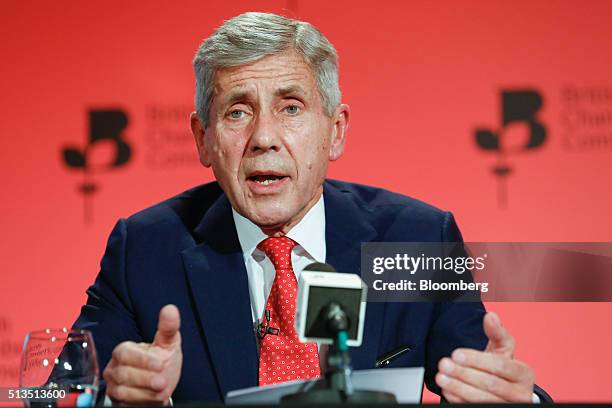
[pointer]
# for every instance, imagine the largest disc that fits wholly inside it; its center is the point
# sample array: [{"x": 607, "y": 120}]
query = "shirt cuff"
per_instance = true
[{"x": 535, "y": 398}]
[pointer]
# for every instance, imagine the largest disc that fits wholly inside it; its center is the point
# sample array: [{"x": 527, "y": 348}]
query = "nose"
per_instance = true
[{"x": 266, "y": 134}]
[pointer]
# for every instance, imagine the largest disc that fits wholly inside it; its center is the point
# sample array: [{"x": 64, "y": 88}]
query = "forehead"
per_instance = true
[{"x": 286, "y": 70}]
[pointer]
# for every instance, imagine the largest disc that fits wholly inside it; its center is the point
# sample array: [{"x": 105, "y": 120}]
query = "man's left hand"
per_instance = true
[{"x": 487, "y": 376}]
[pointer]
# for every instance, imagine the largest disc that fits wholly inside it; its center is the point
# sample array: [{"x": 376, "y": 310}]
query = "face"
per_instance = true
[{"x": 269, "y": 140}]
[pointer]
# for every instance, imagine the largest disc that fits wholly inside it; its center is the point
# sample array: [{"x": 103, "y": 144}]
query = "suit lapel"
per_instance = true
[
  {"x": 346, "y": 228},
  {"x": 219, "y": 285}
]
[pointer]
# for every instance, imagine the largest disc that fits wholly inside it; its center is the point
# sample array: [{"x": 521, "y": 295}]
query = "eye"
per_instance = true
[
  {"x": 236, "y": 114},
  {"x": 292, "y": 109}
]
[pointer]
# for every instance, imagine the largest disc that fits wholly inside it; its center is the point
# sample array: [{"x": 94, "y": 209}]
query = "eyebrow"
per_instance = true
[
  {"x": 290, "y": 90},
  {"x": 236, "y": 96},
  {"x": 242, "y": 95}
]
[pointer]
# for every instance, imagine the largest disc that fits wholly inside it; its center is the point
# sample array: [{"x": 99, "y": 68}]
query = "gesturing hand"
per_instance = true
[
  {"x": 486, "y": 376},
  {"x": 147, "y": 373}
]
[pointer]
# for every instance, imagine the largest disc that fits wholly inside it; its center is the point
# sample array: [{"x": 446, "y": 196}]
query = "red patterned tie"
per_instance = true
[{"x": 283, "y": 357}]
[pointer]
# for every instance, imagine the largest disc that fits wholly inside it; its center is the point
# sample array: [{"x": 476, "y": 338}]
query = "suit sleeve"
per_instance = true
[
  {"x": 455, "y": 324},
  {"x": 108, "y": 313}
]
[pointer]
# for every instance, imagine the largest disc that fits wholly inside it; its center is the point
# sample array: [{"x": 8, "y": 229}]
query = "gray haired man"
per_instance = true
[{"x": 268, "y": 120}]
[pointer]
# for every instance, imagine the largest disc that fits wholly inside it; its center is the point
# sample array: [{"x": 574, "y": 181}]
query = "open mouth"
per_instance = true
[{"x": 266, "y": 179}]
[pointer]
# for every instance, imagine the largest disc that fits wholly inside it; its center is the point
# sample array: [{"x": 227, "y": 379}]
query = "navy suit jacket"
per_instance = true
[{"x": 185, "y": 251}]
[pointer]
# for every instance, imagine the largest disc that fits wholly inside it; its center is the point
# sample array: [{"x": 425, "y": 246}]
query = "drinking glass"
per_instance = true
[{"x": 59, "y": 368}]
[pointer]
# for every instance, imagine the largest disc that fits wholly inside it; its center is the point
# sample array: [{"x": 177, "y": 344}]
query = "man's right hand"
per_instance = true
[{"x": 147, "y": 373}]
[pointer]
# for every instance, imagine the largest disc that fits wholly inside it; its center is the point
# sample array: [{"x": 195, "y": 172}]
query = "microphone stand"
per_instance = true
[{"x": 338, "y": 384}]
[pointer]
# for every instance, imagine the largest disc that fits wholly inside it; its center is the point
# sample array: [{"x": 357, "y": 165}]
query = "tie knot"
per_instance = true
[{"x": 278, "y": 249}]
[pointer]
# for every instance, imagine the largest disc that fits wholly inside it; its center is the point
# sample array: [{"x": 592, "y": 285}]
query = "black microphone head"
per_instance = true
[{"x": 320, "y": 267}]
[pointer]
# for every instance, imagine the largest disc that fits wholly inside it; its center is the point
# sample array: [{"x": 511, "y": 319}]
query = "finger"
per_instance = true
[
  {"x": 501, "y": 366},
  {"x": 131, "y": 354},
  {"x": 450, "y": 397},
  {"x": 506, "y": 390},
  {"x": 168, "y": 334},
  {"x": 500, "y": 341},
  {"x": 136, "y": 377},
  {"x": 125, "y": 394},
  {"x": 107, "y": 370},
  {"x": 466, "y": 392}
]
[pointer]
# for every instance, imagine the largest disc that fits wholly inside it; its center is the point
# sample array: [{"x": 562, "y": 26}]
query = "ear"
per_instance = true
[
  {"x": 199, "y": 133},
  {"x": 338, "y": 137}
]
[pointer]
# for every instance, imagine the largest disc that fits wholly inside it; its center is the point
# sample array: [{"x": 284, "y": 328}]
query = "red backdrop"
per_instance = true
[{"x": 420, "y": 77}]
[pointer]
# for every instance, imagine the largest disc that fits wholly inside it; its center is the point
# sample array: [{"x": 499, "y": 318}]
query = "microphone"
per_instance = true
[
  {"x": 264, "y": 327},
  {"x": 329, "y": 303},
  {"x": 333, "y": 314},
  {"x": 331, "y": 310}
]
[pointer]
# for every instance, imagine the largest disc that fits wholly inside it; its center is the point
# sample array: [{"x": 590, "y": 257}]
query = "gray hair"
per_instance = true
[{"x": 249, "y": 37}]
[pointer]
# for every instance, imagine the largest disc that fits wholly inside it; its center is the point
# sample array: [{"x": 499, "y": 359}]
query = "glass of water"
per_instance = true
[{"x": 59, "y": 368}]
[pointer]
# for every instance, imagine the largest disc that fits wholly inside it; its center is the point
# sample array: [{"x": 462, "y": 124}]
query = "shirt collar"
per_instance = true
[{"x": 309, "y": 233}]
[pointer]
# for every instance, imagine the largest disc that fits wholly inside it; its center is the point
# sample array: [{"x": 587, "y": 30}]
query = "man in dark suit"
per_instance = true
[{"x": 183, "y": 283}]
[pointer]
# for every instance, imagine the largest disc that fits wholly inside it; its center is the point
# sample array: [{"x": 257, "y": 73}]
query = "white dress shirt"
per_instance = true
[{"x": 309, "y": 233}]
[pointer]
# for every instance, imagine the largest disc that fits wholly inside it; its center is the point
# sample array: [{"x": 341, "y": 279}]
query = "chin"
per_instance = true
[
  {"x": 269, "y": 221},
  {"x": 270, "y": 217}
]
